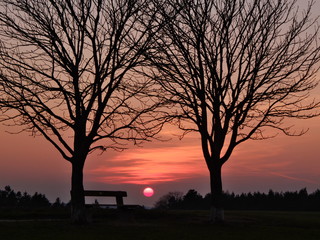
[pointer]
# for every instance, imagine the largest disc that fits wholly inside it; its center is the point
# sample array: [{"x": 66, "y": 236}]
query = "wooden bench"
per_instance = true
[{"x": 119, "y": 195}]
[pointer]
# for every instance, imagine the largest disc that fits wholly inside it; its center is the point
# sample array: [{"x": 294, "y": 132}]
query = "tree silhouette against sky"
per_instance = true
[
  {"x": 67, "y": 73},
  {"x": 233, "y": 69}
]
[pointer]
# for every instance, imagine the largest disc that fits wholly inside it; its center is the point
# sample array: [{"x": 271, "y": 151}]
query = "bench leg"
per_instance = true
[{"x": 119, "y": 201}]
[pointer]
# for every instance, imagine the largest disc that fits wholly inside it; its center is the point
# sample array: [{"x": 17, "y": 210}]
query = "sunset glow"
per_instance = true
[
  {"x": 152, "y": 165},
  {"x": 282, "y": 163},
  {"x": 148, "y": 192}
]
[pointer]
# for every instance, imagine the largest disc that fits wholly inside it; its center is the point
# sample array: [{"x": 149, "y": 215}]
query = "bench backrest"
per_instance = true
[{"x": 96, "y": 193}]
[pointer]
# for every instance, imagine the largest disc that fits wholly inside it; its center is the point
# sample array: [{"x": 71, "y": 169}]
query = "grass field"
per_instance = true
[{"x": 156, "y": 225}]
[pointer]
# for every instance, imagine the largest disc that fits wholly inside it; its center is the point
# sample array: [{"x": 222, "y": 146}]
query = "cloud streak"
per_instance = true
[
  {"x": 182, "y": 161},
  {"x": 152, "y": 165}
]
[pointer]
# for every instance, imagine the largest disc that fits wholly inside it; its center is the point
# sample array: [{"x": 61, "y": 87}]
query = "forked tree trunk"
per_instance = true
[
  {"x": 217, "y": 211},
  {"x": 78, "y": 211}
]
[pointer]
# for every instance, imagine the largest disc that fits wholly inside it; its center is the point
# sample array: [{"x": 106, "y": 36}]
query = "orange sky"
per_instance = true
[{"x": 282, "y": 164}]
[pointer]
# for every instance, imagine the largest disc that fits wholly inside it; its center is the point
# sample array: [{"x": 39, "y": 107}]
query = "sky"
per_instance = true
[{"x": 281, "y": 164}]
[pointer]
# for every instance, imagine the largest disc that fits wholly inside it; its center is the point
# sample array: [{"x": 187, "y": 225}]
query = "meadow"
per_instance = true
[{"x": 160, "y": 225}]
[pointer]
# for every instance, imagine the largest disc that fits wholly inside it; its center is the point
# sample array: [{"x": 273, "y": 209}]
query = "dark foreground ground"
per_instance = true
[{"x": 160, "y": 225}]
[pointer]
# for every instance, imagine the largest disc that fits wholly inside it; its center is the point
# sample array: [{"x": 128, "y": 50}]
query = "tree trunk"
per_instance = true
[
  {"x": 78, "y": 211},
  {"x": 217, "y": 212}
]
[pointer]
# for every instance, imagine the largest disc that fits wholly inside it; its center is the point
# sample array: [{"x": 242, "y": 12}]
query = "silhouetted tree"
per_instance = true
[
  {"x": 67, "y": 73},
  {"x": 233, "y": 69},
  {"x": 40, "y": 200},
  {"x": 171, "y": 200},
  {"x": 25, "y": 199},
  {"x": 58, "y": 203},
  {"x": 192, "y": 200},
  {"x": 8, "y": 197}
]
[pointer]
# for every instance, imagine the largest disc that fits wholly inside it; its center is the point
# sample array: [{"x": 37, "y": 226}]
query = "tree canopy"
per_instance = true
[
  {"x": 68, "y": 73},
  {"x": 234, "y": 69}
]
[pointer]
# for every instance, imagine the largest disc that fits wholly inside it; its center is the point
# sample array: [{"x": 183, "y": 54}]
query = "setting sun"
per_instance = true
[{"x": 148, "y": 192}]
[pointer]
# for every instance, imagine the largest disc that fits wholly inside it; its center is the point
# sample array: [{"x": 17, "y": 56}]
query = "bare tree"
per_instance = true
[
  {"x": 67, "y": 73},
  {"x": 233, "y": 69}
]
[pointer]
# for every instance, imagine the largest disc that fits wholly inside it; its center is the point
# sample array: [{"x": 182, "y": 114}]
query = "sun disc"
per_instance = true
[{"x": 148, "y": 192}]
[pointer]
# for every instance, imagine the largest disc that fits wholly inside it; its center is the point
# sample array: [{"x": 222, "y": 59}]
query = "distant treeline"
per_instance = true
[
  {"x": 285, "y": 201},
  {"x": 10, "y": 198}
]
